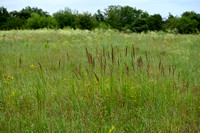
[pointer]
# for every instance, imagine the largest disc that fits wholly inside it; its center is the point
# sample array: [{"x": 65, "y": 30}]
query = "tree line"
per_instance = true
[{"x": 122, "y": 18}]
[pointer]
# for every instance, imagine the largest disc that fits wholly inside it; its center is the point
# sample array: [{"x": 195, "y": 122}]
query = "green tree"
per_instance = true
[
  {"x": 187, "y": 25},
  {"x": 86, "y": 21},
  {"x": 4, "y": 16},
  {"x": 99, "y": 16},
  {"x": 172, "y": 23},
  {"x": 140, "y": 25},
  {"x": 15, "y": 23},
  {"x": 36, "y": 21},
  {"x": 113, "y": 16},
  {"x": 65, "y": 18},
  {"x": 193, "y": 16},
  {"x": 155, "y": 22},
  {"x": 27, "y": 11}
]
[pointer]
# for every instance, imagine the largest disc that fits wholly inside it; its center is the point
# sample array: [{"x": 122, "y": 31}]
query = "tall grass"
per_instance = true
[{"x": 99, "y": 81}]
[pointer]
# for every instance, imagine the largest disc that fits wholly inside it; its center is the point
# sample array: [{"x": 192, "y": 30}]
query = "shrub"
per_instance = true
[
  {"x": 65, "y": 18},
  {"x": 86, "y": 21},
  {"x": 36, "y": 21}
]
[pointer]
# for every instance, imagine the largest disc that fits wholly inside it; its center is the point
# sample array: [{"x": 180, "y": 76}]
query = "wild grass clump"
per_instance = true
[{"x": 83, "y": 81}]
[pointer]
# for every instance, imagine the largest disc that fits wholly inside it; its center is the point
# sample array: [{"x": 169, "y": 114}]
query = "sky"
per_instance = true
[{"x": 162, "y": 7}]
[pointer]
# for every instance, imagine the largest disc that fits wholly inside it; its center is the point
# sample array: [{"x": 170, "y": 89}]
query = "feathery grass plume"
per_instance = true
[
  {"x": 148, "y": 68},
  {"x": 179, "y": 74},
  {"x": 117, "y": 49},
  {"x": 140, "y": 63},
  {"x": 162, "y": 70},
  {"x": 108, "y": 55},
  {"x": 104, "y": 65},
  {"x": 118, "y": 63},
  {"x": 160, "y": 63},
  {"x": 40, "y": 66},
  {"x": 91, "y": 61},
  {"x": 67, "y": 56},
  {"x": 104, "y": 52},
  {"x": 174, "y": 69},
  {"x": 20, "y": 62},
  {"x": 80, "y": 73},
  {"x": 59, "y": 62},
  {"x": 112, "y": 53},
  {"x": 133, "y": 66},
  {"x": 75, "y": 74},
  {"x": 96, "y": 76},
  {"x": 169, "y": 69},
  {"x": 146, "y": 56},
  {"x": 133, "y": 51},
  {"x": 127, "y": 69},
  {"x": 126, "y": 52}
]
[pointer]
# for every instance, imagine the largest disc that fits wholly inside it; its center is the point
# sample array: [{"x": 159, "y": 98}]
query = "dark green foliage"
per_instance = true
[
  {"x": 155, "y": 22},
  {"x": 65, "y": 18},
  {"x": 36, "y": 21},
  {"x": 122, "y": 18},
  {"x": 113, "y": 16},
  {"x": 86, "y": 21},
  {"x": 140, "y": 25},
  {"x": 15, "y": 23},
  {"x": 99, "y": 16},
  {"x": 128, "y": 15},
  {"x": 4, "y": 15},
  {"x": 193, "y": 16},
  {"x": 187, "y": 25},
  {"x": 26, "y": 12}
]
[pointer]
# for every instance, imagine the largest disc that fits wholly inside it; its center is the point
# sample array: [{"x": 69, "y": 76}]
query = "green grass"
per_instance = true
[{"x": 83, "y": 81}]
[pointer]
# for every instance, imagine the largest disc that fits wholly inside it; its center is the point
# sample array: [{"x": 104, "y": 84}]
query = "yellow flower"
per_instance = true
[
  {"x": 132, "y": 88},
  {"x": 111, "y": 130},
  {"x": 64, "y": 80},
  {"x": 5, "y": 82},
  {"x": 96, "y": 82},
  {"x": 87, "y": 85},
  {"x": 32, "y": 66},
  {"x": 139, "y": 39},
  {"x": 11, "y": 78}
]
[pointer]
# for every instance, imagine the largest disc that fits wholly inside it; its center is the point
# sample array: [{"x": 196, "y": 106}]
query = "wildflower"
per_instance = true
[
  {"x": 111, "y": 130},
  {"x": 132, "y": 88},
  {"x": 132, "y": 43},
  {"x": 64, "y": 80},
  {"x": 5, "y": 82},
  {"x": 32, "y": 66},
  {"x": 11, "y": 78},
  {"x": 5, "y": 75},
  {"x": 87, "y": 85},
  {"x": 139, "y": 39},
  {"x": 96, "y": 82}
]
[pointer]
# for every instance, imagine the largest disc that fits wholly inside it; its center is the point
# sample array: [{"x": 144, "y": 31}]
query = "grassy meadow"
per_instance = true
[{"x": 99, "y": 81}]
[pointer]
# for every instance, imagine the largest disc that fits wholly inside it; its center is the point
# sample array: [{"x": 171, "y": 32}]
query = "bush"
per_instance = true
[
  {"x": 36, "y": 21},
  {"x": 86, "y": 21},
  {"x": 104, "y": 26},
  {"x": 15, "y": 23},
  {"x": 65, "y": 18},
  {"x": 140, "y": 25}
]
